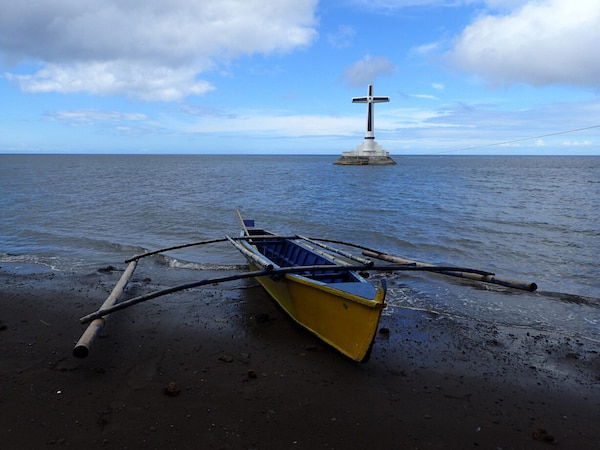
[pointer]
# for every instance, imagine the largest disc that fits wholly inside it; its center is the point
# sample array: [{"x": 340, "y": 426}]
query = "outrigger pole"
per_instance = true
[
  {"x": 207, "y": 241},
  {"x": 82, "y": 348},
  {"x": 470, "y": 275},
  {"x": 270, "y": 271},
  {"x": 98, "y": 318}
]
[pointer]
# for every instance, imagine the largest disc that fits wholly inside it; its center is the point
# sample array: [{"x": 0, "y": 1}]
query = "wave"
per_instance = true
[
  {"x": 572, "y": 298},
  {"x": 177, "y": 263},
  {"x": 567, "y": 314},
  {"x": 26, "y": 263},
  {"x": 19, "y": 262}
]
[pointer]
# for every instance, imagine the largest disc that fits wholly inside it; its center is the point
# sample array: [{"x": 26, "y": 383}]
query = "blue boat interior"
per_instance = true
[{"x": 286, "y": 253}]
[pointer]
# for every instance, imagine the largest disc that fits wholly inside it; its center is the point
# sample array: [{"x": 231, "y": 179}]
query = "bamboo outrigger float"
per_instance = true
[{"x": 317, "y": 285}]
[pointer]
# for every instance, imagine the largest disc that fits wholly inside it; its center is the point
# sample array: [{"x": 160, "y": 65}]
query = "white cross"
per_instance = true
[{"x": 369, "y": 100}]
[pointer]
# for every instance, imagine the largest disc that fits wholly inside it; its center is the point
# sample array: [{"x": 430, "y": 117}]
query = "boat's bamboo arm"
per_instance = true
[
  {"x": 88, "y": 337},
  {"x": 319, "y": 251},
  {"x": 302, "y": 270},
  {"x": 489, "y": 278},
  {"x": 343, "y": 253},
  {"x": 207, "y": 241},
  {"x": 97, "y": 315},
  {"x": 254, "y": 257},
  {"x": 175, "y": 247}
]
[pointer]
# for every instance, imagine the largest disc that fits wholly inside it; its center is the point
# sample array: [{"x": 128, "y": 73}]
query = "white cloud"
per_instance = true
[
  {"x": 151, "y": 50},
  {"x": 489, "y": 128},
  {"x": 391, "y": 5},
  {"x": 577, "y": 143},
  {"x": 423, "y": 96},
  {"x": 366, "y": 70},
  {"x": 398, "y": 4},
  {"x": 92, "y": 116},
  {"x": 506, "y": 5},
  {"x": 275, "y": 123},
  {"x": 342, "y": 38},
  {"x": 543, "y": 42},
  {"x": 425, "y": 49},
  {"x": 146, "y": 83}
]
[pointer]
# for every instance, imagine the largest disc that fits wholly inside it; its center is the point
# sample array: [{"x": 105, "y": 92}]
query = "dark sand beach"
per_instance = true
[{"x": 247, "y": 377}]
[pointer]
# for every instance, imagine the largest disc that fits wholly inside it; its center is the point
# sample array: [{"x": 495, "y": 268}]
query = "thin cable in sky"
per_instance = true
[{"x": 522, "y": 139}]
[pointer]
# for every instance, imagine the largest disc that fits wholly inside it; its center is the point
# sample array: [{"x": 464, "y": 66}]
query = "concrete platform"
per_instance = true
[{"x": 364, "y": 161}]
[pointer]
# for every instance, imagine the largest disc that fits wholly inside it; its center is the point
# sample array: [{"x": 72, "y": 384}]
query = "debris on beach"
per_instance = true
[
  {"x": 172, "y": 390},
  {"x": 540, "y": 434}
]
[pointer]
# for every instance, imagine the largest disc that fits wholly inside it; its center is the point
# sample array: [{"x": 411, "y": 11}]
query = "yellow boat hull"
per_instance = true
[{"x": 346, "y": 321}]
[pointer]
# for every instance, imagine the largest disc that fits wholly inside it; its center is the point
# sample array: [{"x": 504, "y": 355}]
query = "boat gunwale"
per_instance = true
[
  {"x": 306, "y": 280},
  {"x": 373, "y": 303}
]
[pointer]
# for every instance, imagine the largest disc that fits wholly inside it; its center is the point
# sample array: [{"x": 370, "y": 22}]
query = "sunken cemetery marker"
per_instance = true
[{"x": 368, "y": 152}]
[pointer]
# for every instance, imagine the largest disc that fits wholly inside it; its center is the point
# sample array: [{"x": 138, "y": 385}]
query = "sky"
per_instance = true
[{"x": 278, "y": 76}]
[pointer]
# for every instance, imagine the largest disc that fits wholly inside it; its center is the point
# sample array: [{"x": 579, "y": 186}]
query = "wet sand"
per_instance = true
[{"x": 245, "y": 376}]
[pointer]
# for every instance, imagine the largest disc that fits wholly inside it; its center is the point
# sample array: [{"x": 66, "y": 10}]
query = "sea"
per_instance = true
[{"x": 530, "y": 218}]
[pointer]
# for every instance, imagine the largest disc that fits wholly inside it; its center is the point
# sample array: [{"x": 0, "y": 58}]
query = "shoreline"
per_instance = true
[{"x": 248, "y": 377}]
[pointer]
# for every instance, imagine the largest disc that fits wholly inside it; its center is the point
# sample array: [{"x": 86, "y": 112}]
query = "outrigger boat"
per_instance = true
[
  {"x": 336, "y": 304},
  {"x": 318, "y": 285}
]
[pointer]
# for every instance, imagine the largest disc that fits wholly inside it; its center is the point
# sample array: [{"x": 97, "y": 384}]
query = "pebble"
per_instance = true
[
  {"x": 172, "y": 390},
  {"x": 542, "y": 435}
]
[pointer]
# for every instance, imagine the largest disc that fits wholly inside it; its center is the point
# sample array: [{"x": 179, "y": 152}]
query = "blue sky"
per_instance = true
[{"x": 265, "y": 76}]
